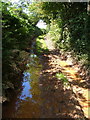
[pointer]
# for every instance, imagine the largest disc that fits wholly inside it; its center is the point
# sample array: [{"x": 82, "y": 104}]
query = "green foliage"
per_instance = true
[
  {"x": 54, "y": 31},
  {"x": 17, "y": 35},
  {"x": 63, "y": 78},
  {"x": 69, "y": 26},
  {"x": 41, "y": 45}
]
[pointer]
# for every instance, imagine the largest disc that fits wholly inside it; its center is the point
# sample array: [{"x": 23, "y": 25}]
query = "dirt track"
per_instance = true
[{"x": 69, "y": 102}]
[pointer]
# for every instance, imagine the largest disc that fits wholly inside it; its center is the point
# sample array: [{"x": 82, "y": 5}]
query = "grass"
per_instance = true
[
  {"x": 41, "y": 45},
  {"x": 63, "y": 78}
]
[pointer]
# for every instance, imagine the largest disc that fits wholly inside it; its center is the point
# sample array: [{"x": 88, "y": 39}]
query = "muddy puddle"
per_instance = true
[
  {"x": 26, "y": 101},
  {"x": 41, "y": 94}
]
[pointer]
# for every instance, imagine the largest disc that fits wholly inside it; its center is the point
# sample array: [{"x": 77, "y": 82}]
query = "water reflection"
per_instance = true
[
  {"x": 26, "y": 103},
  {"x": 30, "y": 95},
  {"x": 26, "y": 86},
  {"x": 41, "y": 96}
]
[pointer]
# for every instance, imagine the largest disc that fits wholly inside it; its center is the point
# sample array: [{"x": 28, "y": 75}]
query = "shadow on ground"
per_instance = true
[{"x": 59, "y": 102}]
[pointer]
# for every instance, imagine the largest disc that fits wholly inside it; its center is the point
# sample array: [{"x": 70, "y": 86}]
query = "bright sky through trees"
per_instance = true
[
  {"x": 18, "y": 1},
  {"x": 14, "y": 1},
  {"x": 41, "y": 24}
]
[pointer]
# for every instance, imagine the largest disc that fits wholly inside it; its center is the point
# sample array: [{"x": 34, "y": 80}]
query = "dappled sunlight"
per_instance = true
[
  {"x": 73, "y": 76},
  {"x": 57, "y": 65},
  {"x": 53, "y": 89},
  {"x": 46, "y": 53},
  {"x": 84, "y": 100}
]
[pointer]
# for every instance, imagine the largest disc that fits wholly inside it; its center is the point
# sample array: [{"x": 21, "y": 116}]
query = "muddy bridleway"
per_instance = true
[
  {"x": 41, "y": 94},
  {"x": 59, "y": 101}
]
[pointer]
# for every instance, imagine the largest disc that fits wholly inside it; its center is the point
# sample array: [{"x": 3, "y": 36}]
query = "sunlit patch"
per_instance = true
[{"x": 73, "y": 76}]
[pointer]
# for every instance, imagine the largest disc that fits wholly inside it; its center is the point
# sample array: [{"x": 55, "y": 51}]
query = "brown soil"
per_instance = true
[{"x": 62, "y": 102}]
